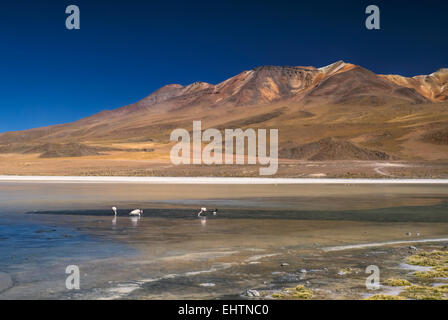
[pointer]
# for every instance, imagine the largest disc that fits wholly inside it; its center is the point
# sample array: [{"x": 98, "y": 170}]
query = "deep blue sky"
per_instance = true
[{"x": 127, "y": 49}]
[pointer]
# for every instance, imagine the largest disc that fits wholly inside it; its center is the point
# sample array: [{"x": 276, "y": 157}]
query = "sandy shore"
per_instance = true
[
  {"x": 213, "y": 180},
  {"x": 382, "y": 244}
]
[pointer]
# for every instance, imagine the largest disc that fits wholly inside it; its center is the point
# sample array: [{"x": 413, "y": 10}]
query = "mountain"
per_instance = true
[
  {"x": 434, "y": 86},
  {"x": 337, "y": 112},
  {"x": 330, "y": 149}
]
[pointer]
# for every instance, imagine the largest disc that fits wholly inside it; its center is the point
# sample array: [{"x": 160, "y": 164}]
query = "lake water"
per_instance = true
[{"x": 170, "y": 253}]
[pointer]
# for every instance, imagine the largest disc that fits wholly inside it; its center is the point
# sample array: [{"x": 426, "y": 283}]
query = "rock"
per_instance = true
[
  {"x": 408, "y": 234},
  {"x": 291, "y": 277},
  {"x": 5, "y": 281},
  {"x": 284, "y": 264},
  {"x": 418, "y": 234},
  {"x": 345, "y": 271},
  {"x": 252, "y": 293},
  {"x": 302, "y": 270},
  {"x": 207, "y": 284}
]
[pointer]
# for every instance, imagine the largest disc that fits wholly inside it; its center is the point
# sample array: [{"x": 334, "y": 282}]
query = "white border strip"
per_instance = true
[{"x": 211, "y": 180}]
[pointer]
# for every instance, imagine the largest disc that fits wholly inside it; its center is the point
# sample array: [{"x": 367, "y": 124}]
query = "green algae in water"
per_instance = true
[
  {"x": 438, "y": 272},
  {"x": 435, "y": 258},
  {"x": 438, "y": 261},
  {"x": 397, "y": 282},
  {"x": 425, "y": 293},
  {"x": 299, "y": 292},
  {"x": 385, "y": 297}
]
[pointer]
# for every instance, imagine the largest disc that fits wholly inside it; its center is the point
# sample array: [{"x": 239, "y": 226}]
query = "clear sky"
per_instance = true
[{"x": 127, "y": 49}]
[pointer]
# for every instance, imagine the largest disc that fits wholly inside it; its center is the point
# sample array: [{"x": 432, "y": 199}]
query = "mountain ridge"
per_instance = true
[
  {"x": 367, "y": 114},
  {"x": 307, "y": 76},
  {"x": 298, "y": 85}
]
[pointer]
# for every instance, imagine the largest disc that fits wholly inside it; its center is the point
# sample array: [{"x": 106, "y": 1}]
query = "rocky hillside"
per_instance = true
[{"x": 340, "y": 111}]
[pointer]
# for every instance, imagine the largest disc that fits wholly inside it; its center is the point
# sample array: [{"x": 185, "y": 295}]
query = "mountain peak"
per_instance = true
[
  {"x": 433, "y": 86},
  {"x": 196, "y": 86},
  {"x": 334, "y": 64},
  {"x": 443, "y": 72},
  {"x": 336, "y": 67},
  {"x": 282, "y": 68},
  {"x": 164, "y": 93},
  {"x": 169, "y": 87}
]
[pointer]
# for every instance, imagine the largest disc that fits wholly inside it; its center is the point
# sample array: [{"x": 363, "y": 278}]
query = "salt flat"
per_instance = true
[{"x": 212, "y": 180}]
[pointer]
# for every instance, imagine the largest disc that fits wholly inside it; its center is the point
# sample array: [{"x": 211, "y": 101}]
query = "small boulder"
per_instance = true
[
  {"x": 252, "y": 293},
  {"x": 207, "y": 284},
  {"x": 5, "y": 281}
]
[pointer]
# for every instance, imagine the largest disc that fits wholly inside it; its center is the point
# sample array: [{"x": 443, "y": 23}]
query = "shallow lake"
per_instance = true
[{"x": 171, "y": 253}]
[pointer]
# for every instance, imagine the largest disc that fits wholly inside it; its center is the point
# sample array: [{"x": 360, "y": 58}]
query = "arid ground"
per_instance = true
[{"x": 111, "y": 166}]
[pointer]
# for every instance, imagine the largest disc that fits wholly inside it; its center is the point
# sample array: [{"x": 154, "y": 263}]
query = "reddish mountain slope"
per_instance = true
[{"x": 384, "y": 114}]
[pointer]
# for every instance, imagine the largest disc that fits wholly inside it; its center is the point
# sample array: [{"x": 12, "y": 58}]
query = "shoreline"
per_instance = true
[
  {"x": 382, "y": 244},
  {"x": 211, "y": 180}
]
